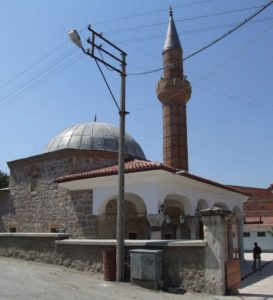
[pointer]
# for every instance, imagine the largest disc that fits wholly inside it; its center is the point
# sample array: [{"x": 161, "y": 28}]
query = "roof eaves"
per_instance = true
[{"x": 214, "y": 183}]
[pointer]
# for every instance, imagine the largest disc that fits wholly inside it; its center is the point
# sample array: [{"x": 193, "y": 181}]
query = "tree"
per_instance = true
[{"x": 4, "y": 180}]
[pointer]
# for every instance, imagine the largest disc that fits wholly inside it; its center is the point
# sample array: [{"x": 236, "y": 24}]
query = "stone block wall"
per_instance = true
[
  {"x": 44, "y": 249},
  {"x": 185, "y": 267},
  {"x": 37, "y": 204}
]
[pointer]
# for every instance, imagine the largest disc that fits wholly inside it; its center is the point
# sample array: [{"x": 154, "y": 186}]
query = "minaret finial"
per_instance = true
[
  {"x": 95, "y": 118},
  {"x": 171, "y": 11},
  {"x": 172, "y": 38}
]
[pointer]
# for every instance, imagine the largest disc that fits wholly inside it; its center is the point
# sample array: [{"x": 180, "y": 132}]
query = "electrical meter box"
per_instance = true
[{"x": 146, "y": 265}]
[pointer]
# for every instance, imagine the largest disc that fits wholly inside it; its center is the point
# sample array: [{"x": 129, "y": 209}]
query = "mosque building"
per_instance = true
[{"x": 72, "y": 186}]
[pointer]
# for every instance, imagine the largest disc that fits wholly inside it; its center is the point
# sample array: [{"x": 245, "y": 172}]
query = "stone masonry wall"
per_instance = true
[
  {"x": 182, "y": 266},
  {"x": 45, "y": 250},
  {"x": 37, "y": 204},
  {"x": 6, "y": 206},
  {"x": 185, "y": 268}
]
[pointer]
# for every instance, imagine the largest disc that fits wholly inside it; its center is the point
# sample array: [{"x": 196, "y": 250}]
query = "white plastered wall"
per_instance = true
[{"x": 153, "y": 187}]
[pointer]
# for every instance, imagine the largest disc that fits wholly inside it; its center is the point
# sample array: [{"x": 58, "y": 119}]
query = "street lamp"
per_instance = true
[{"x": 76, "y": 39}]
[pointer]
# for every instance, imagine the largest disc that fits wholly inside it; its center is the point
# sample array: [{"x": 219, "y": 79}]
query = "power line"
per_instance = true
[
  {"x": 246, "y": 46},
  {"x": 230, "y": 31},
  {"x": 34, "y": 77},
  {"x": 260, "y": 105},
  {"x": 27, "y": 82},
  {"x": 150, "y": 12},
  {"x": 148, "y": 72},
  {"x": 180, "y": 20},
  {"x": 214, "y": 41},
  {"x": 32, "y": 65},
  {"x": 194, "y": 30},
  {"x": 41, "y": 81},
  {"x": 108, "y": 86},
  {"x": 107, "y": 21},
  {"x": 127, "y": 17}
]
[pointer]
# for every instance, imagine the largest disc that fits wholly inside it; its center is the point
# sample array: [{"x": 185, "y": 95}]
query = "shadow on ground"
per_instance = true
[
  {"x": 254, "y": 276},
  {"x": 249, "y": 295}
]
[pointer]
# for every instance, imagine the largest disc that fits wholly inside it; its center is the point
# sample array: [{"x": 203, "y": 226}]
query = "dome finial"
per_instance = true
[{"x": 171, "y": 11}]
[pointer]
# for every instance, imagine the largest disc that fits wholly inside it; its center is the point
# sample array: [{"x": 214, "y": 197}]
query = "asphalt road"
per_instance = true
[{"x": 25, "y": 280}]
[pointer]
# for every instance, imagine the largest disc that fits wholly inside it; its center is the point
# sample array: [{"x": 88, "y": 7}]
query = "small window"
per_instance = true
[
  {"x": 246, "y": 234},
  {"x": 168, "y": 236},
  {"x": 12, "y": 229},
  {"x": 132, "y": 236},
  {"x": 34, "y": 183},
  {"x": 54, "y": 229},
  {"x": 261, "y": 233}
]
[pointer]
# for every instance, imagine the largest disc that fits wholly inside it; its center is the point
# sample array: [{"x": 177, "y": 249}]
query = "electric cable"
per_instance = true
[
  {"x": 63, "y": 43},
  {"x": 180, "y": 20},
  {"x": 191, "y": 31},
  {"x": 246, "y": 46},
  {"x": 213, "y": 42},
  {"x": 46, "y": 68},
  {"x": 230, "y": 31},
  {"x": 108, "y": 87},
  {"x": 260, "y": 105},
  {"x": 150, "y": 12},
  {"x": 148, "y": 72},
  {"x": 41, "y": 81},
  {"x": 12, "y": 79},
  {"x": 32, "y": 65}
]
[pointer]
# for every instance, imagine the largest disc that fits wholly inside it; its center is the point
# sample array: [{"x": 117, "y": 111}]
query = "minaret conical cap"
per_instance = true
[{"x": 172, "y": 40}]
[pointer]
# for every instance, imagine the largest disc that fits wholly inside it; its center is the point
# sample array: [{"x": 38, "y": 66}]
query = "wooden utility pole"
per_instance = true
[
  {"x": 121, "y": 200},
  {"x": 75, "y": 37}
]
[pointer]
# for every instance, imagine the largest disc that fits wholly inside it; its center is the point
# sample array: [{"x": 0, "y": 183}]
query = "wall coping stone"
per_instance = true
[
  {"x": 35, "y": 234},
  {"x": 135, "y": 243}
]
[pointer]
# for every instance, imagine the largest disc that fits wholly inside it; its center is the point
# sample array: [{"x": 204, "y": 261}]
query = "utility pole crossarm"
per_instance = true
[
  {"x": 104, "y": 39},
  {"x": 95, "y": 46}
]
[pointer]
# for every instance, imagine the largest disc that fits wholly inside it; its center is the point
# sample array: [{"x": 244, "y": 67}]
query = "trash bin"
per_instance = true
[{"x": 109, "y": 264}]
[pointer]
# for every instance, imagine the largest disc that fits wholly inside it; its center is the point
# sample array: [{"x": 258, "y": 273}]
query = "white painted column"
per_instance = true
[
  {"x": 230, "y": 239},
  {"x": 192, "y": 223},
  {"x": 156, "y": 221},
  {"x": 240, "y": 230}
]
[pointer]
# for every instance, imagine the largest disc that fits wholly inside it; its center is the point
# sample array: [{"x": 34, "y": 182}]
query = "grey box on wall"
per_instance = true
[{"x": 146, "y": 265}]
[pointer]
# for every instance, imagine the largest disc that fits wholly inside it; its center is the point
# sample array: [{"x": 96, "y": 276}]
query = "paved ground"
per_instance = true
[
  {"x": 24, "y": 280},
  {"x": 259, "y": 284}
]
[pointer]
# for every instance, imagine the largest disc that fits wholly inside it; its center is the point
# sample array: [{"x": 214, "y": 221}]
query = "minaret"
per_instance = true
[{"x": 173, "y": 91}]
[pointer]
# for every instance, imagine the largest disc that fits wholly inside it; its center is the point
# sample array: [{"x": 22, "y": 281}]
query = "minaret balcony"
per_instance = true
[{"x": 173, "y": 90}]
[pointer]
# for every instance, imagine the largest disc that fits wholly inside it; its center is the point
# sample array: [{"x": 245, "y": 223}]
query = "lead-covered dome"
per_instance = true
[{"x": 94, "y": 136}]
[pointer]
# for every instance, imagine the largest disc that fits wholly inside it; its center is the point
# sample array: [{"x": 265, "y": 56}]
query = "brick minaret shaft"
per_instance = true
[{"x": 173, "y": 91}]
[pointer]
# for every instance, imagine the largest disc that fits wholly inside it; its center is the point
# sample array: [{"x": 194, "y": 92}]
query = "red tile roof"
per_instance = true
[
  {"x": 129, "y": 167},
  {"x": 254, "y": 192},
  {"x": 134, "y": 166}
]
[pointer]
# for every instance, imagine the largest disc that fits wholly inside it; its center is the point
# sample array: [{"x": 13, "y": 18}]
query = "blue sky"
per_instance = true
[{"x": 47, "y": 85}]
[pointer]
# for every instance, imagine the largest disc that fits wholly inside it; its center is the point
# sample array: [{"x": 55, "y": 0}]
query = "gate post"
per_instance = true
[{"x": 215, "y": 235}]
